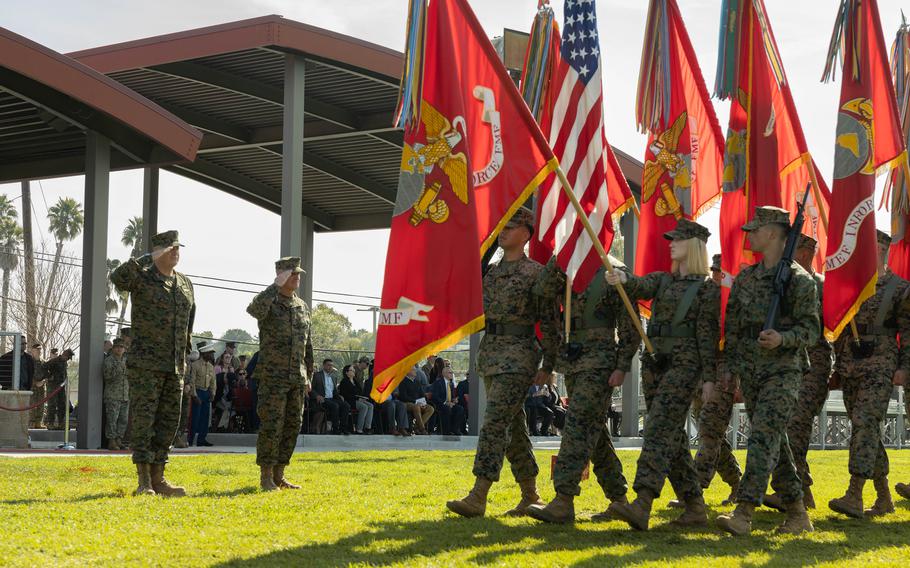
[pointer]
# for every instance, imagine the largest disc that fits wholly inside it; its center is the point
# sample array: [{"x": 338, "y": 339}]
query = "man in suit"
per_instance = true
[
  {"x": 451, "y": 414},
  {"x": 325, "y": 395}
]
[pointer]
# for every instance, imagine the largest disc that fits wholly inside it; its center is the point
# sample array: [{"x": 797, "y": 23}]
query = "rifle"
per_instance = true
[{"x": 784, "y": 266}]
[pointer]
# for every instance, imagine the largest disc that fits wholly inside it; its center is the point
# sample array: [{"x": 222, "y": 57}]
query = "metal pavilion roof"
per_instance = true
[
  {"x": 48, "y": 102},
  {"x": 227, "y": 81}
]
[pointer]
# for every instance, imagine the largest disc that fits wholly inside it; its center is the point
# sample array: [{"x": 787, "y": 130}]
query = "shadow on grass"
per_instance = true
[
  {"x": 79, "y": 499},
  {"x": 497, "y": 543},
  {"x": 341, "y": 460}
]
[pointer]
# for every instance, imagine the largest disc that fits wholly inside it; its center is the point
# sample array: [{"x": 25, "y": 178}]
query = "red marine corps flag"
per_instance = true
[
  {"x": 766, "y": 160},
  {"x": 684, "y": 156},
  {"x": 472, "y": 155},
  {"x": 898, "y": 185},
  {"x": 868, "y": 139}
]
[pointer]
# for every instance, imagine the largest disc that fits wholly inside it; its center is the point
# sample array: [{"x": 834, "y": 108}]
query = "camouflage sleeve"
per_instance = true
[
  {"x": 708, "y": 329},
  {"x": 903, "y": 327},
  {"x": 629, "y": 340},
  {"x": 262, "y": 303},
  {"x": 551, "y": 283},
  {"x": 804, "y": 302},
  {"x": 732, "y": 336},
  {"x": 643, "y": 287},
  {"x": 107, "y": 370},
  {"x": 126, "y": 276},
  {"x": 549, "y": 326},
  {"x": 190, "y": 322}
]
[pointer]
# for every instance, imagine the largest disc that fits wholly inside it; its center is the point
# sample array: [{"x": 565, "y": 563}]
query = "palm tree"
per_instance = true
[
  {"x": 66, "y": 220},
  {"x": 7, "y": 209},
  {"x": 113, "y": 296},
  {"x": 131, "y": 237},
  {"x": 10, "y": 237}
]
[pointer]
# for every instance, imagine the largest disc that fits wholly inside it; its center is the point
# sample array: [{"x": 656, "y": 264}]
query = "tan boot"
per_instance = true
[
  {"x": 695, "y": 515},
  {"x": 280, "y": 481},
  {"x": 851, "y": 504},
  {"x": 145, "y": 481},
  {"x": 903, "y": 490},
  {"x": 160, "y": 484},
  {"x": 180, "y": 441},
  {"x": 808, "y": 498},
  {"x": 738, "y": 523},
  {"x": 637, "y": 513},
  {"x": 529, "y": 497},
  {"x": 266, "y": 478},
  {"x": 112, "y": 444},
  {"x": 560, "y": 510},
  {"x": 606, "y": 515},
  {"x": 731, "y": 498},
  {"x": 797, "y": 521},
  {"x": 774, "y": 501},
  {"x": 475, "y": 503},
  {"x": 676, "y": 504},
  {"x": 883, "y": 502}
]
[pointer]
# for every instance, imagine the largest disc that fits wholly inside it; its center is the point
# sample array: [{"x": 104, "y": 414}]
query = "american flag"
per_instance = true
[{"x": 576, "y": 135}]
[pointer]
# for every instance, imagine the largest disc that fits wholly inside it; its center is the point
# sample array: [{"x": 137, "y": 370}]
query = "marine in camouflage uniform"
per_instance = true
[
  {"x": 116, "y": 395},
  {"x": 684, "y": 330},
  {"x": 39, "y": 389},
  {"x": 55, "y": 372},
  {"x": 603, "y": 341},
  {"x": 867, "y": 374},
  {"x": 284, "y": 370},
  {"x": 770, "y": 365},
  {"x": 814, "y": 389},
  {"x": 163, "y": 310},
  {"x": 508, "y": 359}
]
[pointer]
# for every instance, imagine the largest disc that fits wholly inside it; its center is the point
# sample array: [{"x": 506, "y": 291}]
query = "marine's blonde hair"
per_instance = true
[{"x": 696, "y": 257}]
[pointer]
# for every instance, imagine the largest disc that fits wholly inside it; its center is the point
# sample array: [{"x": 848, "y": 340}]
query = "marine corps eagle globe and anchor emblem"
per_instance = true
[
  {"x": 442, "y": 149},
  {"x": 677, "y": 166}
]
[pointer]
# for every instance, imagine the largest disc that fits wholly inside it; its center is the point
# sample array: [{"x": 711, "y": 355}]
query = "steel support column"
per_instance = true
[
  {"x": 94, "y": 292},
  {"x": 149, "y": 206},
  {"x": 630, "y": 388},
  {"x": 306, "y": 260},
  {"x": 292, "y": 157}
]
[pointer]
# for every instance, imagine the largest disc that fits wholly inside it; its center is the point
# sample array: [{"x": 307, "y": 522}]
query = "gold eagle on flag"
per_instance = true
[{"x": 667, "y": 160}]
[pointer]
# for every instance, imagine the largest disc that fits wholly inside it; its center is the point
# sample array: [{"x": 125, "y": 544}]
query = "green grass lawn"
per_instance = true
[{"x": 388, "y": 508}]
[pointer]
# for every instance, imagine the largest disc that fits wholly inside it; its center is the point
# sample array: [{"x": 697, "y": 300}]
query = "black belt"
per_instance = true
[
  {"x": 579, "y": 324},
  {"x": 516, "y": 330},
  {"x": 672, "y": 331},
  {"x": 866, "y": 329},
  {"x": 754, "y": 331}
]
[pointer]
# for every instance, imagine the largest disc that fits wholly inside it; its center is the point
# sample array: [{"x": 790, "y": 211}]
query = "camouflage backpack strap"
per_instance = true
[
  {"x": 594, "y": 293},
  {"x": 878, "y": 327},
  {"x": 688, "y": 298}
]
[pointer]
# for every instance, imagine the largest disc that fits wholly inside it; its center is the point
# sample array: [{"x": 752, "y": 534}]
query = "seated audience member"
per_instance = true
[
  {"x": 224, "y": 382},
  {"x": 223, "y": 364},
  {"x": 555, "y": 404},
  {"x": 462, "y": 392},
  {"x": 354, "y": 396},
  {"x": 325, "y": 395},
  {"x": 242, "y": 400},
  {"x": 436, "y": 372},
  {"x": 254, "y": 386},
  {"x": 537, "y": 408},
  {"x": 451, "y": 414},
  {"x": 413, "y": 398}
]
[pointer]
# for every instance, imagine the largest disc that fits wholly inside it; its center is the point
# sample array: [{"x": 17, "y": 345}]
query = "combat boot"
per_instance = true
[
  {"x": 560, "y": 510},
  {"x": 529, "y": 497},
  {"x": 883, "y": 502},
  {"x": 731, "y": 499},
  {"x": 180, "y": 441},
  {"x": 676, "y": 504},
  {"x": 851, "y": 504},
  {"x": 280, "y": 481},
  {"x": 145, "y": 481},
  {"x": 797, "y": 521},
  {"x": 161, "y": 485},
  {"x": 606, "y": 515},
  {"x": 266, "y": 478},
  {"x": 738, "y": 523},
  {"x": 695, "y": 515},
  {"x": 475, "y": 503},
  {"x": 903, "y": 490},
  {"x": 112, "y": 444},
  {"x": 774, "y": 501},
  {"x": 637, "y": 513},
  {"x": 808, "y": 498}
]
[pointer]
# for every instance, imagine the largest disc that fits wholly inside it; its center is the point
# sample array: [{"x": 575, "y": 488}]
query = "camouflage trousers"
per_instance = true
[
  {"x": 56, "y": 405},
  {"x": 586, "y": 437},
  {"x": 665, "y": 450},
  {"x": 280, "y": 409},
  {"x": 715, "y": 454},
  {"x": 185, "y": 410},
  {"x": 37, "y": 414},
  {"x": 505, "y": 429},
  {"x": 116, "y": 412},
  {"x": 155, "y": 400},
  {"x": 812, "y": 395},
  {"x": 769, "y": 404},
  {"x": 866, "y": 398}
]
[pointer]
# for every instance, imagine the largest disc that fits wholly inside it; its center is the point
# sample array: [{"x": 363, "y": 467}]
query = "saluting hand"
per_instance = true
[{"x": 770, "y": 339}]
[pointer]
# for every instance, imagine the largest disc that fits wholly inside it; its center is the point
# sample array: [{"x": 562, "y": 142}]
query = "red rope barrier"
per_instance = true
[{"x": 37, "y": 404}]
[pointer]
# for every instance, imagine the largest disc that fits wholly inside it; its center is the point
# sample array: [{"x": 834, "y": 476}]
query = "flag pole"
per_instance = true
[{"x": 599, "y": 247}]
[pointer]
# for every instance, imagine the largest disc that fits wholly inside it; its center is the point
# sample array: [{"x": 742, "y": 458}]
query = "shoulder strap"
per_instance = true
[
  {"x": 665, "y": 281},
  {"x": 885, "y": 306},
  {"x": 593, "y": 295},
  {"x": 688, "y": 298}
]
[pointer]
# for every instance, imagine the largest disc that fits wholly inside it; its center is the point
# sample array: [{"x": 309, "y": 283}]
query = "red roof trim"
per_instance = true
[{"x": 82, "y": 83}]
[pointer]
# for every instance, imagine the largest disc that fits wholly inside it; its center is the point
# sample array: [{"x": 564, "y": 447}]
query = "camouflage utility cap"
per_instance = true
[
  {"x": 715, "y": 262},
  {"x": 768, "y": 215},
  {"x": 166, "y": 239},
  {"x": 686, "y": 229},
  {"x": 291, "y": 263},
  {"x": 522, "y": 217},
  {"x": 884, "y": 239},
  {"x": 118, "y": 342},
  {"x": 805, "y": 241}
]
